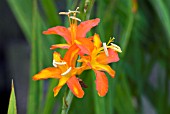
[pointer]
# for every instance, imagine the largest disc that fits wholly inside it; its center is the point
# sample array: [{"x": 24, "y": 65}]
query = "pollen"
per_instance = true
[
  {"x": 58, "y": 63},
  {"x": 73, "y": 11},
  {"x": 75, "y": 18},
  {"x": 105, "y": 49},
  {"x": 70, "y": 12},
  {"x": 66, "y": 72},
  {"x": 64, "y": 13},
  {"x": 54, "y": 64},
  {"x": 116, "y": 47}
]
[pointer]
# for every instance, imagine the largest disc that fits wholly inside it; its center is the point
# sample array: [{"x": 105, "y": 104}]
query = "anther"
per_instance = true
[
  {"x": 105, "y": 49},
  {"x": 60, "y": 63},
  {"x": 66, "y": 72},
  {"x": 54, "y": 64},
  {"x": 73, "y": 11},
  {"x": 72, "y": 17},
  {"x": 77, "y": 8},
  {"x": 116, "y": 47},
  {"x": 64, "y": 13}
]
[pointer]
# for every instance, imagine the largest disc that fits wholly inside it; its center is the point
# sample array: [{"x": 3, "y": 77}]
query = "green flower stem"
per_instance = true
[{"x": 67, "y": 102}]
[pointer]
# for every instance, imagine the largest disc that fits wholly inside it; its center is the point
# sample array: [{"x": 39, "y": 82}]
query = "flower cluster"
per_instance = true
[{"x": 90, "y": 52}]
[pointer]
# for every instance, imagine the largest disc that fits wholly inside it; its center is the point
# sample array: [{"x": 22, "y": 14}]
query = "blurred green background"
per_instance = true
[{"x": 141, "y": 29}]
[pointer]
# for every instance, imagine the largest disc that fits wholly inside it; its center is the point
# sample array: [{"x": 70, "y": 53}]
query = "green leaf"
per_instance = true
[
  {"x": 12, "y": 102},
  {"x": 163, "y": 14},
  {"x": 23, "y": 14},
  {"x": 51, "y": 12}
]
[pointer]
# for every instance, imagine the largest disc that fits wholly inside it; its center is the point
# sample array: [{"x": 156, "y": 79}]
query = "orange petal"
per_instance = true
[
  {"x": 71, "y": 55},
  {"x": 101, "y": 83},
  {"x": 56, "y": 90},
  {"x": 85, "y": 26},
  {"x": 62, "y": 81},
  {"x": 103, "y": 59},
  {"x": 97, "y": 41},
  {"x": 60, "y": 30},
  {"x": 86, "y": 46},
  {"x": 57, "y": 57},
  {"x": 50, "y": 72},
  {"x": 105, "y": 68},
  {"x": 75, "y": 87},
  {"x": 62, "y": 46}
]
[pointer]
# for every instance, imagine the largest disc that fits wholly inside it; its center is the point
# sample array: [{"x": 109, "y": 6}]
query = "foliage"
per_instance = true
[
  {"x": 141, "y": 27},
  {"x": 12, "y": 109}
]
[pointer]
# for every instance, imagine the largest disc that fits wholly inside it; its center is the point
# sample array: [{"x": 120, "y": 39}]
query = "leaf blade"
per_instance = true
[{"x": 12, "y": 109}]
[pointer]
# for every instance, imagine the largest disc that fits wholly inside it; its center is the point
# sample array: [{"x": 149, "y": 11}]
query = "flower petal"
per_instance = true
[
  {"x": 71, "y": 55},
  {"x": 86, "y": 46},
  {"x": 75, "y": 87},
  {"x": 85, "y": 26},
  {"x": 60, "y": 30},
  {"x": 103, "y": 59},
  {"x": 105, "y": 68},
  {"x": 62, "y": 46},
  {"x": 97, "y": 41},
  {"x": 101, "y": 83},
  {"x": 62, "y": 81},
  {"x": 56, "y": 90},
  {"x": 49, "y": 72},
  {"x": 57, "y": 57}
]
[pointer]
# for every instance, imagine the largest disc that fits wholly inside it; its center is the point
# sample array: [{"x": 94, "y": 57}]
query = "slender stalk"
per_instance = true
[{"x": 67, "y": 100}]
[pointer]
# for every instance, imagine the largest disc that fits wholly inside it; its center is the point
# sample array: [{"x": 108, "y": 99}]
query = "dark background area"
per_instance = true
[{"x": 14, "y": 60}]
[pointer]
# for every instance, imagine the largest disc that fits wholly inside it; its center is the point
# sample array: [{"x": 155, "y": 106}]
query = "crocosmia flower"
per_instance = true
[
  {"x": 97, "y": 58},
  {"x": 91, "y": 52},
  {"x": 64, "y": 70},
  {"x": 74, "y": 32}
]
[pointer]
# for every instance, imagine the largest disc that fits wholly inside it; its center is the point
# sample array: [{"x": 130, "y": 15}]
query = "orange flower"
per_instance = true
[
  {"x": 64, "y": 70},
  {"x": 97, "y": 58},
  {"x": 92, "y": 55},
  {"x": 74, "y": 32}
]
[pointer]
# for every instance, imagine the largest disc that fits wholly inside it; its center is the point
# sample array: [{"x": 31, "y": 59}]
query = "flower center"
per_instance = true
[{"x": 112, "y": 46}]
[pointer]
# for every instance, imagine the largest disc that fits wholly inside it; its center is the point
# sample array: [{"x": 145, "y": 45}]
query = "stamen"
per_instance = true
[
  {"x": 60, "y": 63},
  {"x": 73, "y": 11},
  {"x": 72, "y": 17},
  {"x": 69, "y": 12},
  {"x": 64, "y": 13},
  {"x": 66, "y": 72},
  {"x": 77, "y": 8},
  {"x": 116, "y": 47},
  {"x": 54, "y": 64},
  {"x": 105, "y": 49}
]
